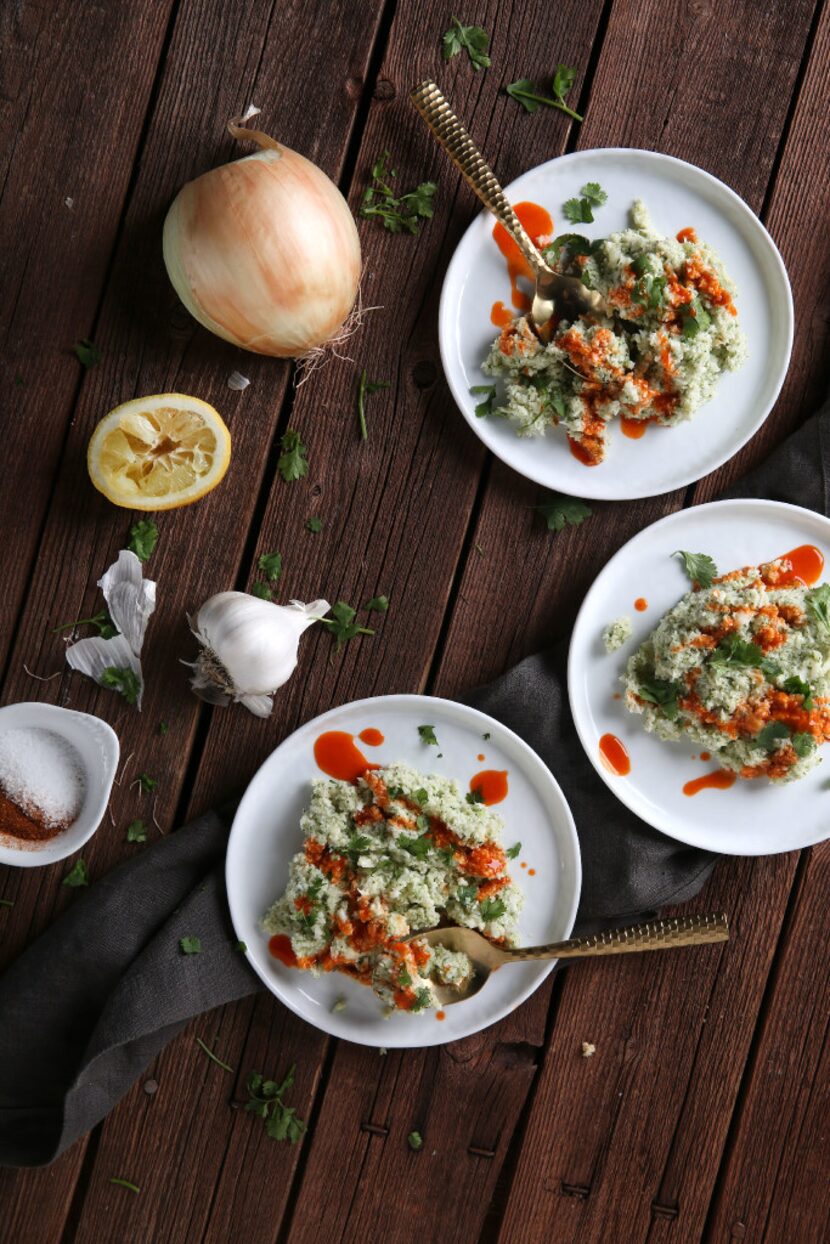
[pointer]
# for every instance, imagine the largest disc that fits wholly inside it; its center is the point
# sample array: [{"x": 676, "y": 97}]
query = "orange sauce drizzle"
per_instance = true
[
  {"x": 337, "y": 756},
  {"x": 581, "y": 453},
  {"x": 633, "y": 428},
  {"x": 641, "y": 604},
  {"x": 614, "y": 755},
  {"x": 538, "y": 223},
  {"x": 492, "y": 785},
  {"x": 280, "y": 948},
  {"x": 500, "y": 315},
  {"x": 807, "y": 565},
  {"x": 371, "y": 737},
  {"x": 721, "y": 779}
]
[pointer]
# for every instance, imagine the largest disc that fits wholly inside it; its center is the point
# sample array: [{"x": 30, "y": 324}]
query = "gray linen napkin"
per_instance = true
[{"x": 92, "y": 1001}]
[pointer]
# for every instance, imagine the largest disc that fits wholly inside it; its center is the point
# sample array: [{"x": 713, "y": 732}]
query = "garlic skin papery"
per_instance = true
[
  {"x": 249, "y": 647},
  {"x": 264, "y": 251}
]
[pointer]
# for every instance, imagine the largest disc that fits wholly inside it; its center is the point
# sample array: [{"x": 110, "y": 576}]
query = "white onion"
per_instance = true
[{"x": 264, "y": 251}]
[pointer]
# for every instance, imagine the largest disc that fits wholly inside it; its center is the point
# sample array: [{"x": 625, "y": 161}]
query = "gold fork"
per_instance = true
[
  {"x": 486, "y": 957},
  {"x": 553, "y": 291}
]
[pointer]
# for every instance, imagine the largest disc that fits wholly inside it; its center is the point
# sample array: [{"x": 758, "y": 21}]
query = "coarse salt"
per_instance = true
[{"x": 42, "y": 773}]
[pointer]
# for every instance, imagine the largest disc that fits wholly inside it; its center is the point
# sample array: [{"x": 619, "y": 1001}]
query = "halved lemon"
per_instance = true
[{"x": 159, "y": 452}]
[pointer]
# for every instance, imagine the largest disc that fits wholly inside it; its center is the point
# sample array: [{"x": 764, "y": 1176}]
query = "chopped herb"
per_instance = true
[
  {"x": 560, "y": 510},
  {"x": 87, "y": 352},
  {"x": 513, "y": 852},
  {"x": 803, "y": 744},
  {"x": 663, "y": 693},
  {"x": 122, "y": 680},
  {"x": 212, "y": 1056},
  {"x": 78, "y": 874},
  {"x": 475, "y": 796},
  {"x": 797, "y": 686},
  {"x": 421, "y": 796},
  {"x": 124, "y": 1183},
  {"x": 417, "y": 847},
  {"x": 262, "y": 590},
  {"x": 492, "y": 909},
  {"x": 415, "y": 1141},
  {"x": 427, "y": 734},
  {"x": 136, "y": 832},
  {"x": 163, "y": 727},
  {"x": 471, "y": 39},
  {"x": 484, "y": 407},
  {"x": 148, "y": 784},
  {"x": 468, "y": 894},
  {"x": 486, "y": 737},
  {"x": 342, "y": 624},
  {"x": 339, "y": 1004},
  {"x": 735, "y": 651},
  {"x": 293, "y": 461},
  {"x": 266, "y": 1102},
  {"x": 396, "y": 212},
  {"x": 144, "y": 537},
  {"x": 423, "y": 999},
  {"x": 356, "y": 846},
  {"x": 190, "y": 945},
  {"x": 700, "y": 567},
  {"x": 314, "y": 524},
  {"x": 404, "y": 979},
  {"x": 6, "y": 902},
  {"x": 101, "y": 621},
  {"x": 271, "y": 565},
  {"x": 818, "y": 605},
  {"x": 580, "y": 211},
  {"x": 771, "y": 734},
  {"x": 364, "y": 388},
  {"x": 378, "y": 604},
  {"x": 242, "y": 947},
  {"x": 530, "y": 98},
  {"x": 694, "y": 318}
]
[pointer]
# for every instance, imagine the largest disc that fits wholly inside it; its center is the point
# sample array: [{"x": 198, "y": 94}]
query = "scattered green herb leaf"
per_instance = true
[
  {"x": 513, "y": 852},
  {"x": 427, "y": 734},
  {"x": 484, "y": 407},
  {"x": 124, "y": 681},
  {"x": 415, "y": 1141},
  {"x": 486, "y": 737},
  {"x": 396, "y": 212},
  {"x": 661, "y": 692},
  {"x": 212, "y": 1056},
  {"x": 271, "y": 565},
  {"x": 342, "y": 624},
  {"x": 818, "y": 605},
  {"x": 771, "y": 734},
  {"x": 148, "y": 784},
  {"x": 492, "y": 909},
  {"x": 136, "y": 832},
  {"x": 242, "y": 947},
  {"x": 700, "y": 567},
  {"x": 580, "y": 211},
  {"x": 560, "y": 510},
  {"x": 293, "y": 461},
  {"x": 6, "y": 902},
  {"x": 471, "y": 39},
  {"x": 378, "y": 604},
  {"x": 266, "y": 1102},
  {"x": 530, "y": 98},
  {"x": 735, "y": 651},
  {"x": 797, "y": 686},
  {"x": 803, "y": 744},
  {"x": 78, "y": 874},
  {"x": 262, "y": 590},
  {"x": 364, "y": 388},
  {"x": 314, "y": 524},
  {"x": 101, "y": 621},
  {"x": 144, "y": 536},
  {"x": 475, "y": 796},
  {"x": 124, "y": 1183},
  {"x": 87, "y": 352},
  {"x": 163, "y": 727},
  {"x": 190, "y": 945},
  {"x": 423, "y": 998}
]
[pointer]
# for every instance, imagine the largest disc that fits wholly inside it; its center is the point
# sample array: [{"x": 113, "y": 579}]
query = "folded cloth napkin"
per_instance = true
[{"x": 92, "y": 1001}]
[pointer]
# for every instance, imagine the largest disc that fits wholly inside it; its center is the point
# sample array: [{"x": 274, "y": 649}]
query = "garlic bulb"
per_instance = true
[
  {"x": 249, "y": 647},
  {"x": 264, "y": 251}
]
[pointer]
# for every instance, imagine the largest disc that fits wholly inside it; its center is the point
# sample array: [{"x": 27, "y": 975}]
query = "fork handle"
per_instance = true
[
  {"x": 654, "y": 935},
  {"x": 475, "y": 170}
]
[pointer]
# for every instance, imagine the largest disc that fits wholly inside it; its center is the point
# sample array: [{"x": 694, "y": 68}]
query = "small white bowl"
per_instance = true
[{"x": 98, "y": 748}]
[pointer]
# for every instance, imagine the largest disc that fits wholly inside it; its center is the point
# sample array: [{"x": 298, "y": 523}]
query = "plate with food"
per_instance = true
[
  {"x": 671, "y": 378},
  {"x": 699, "y": 676},
  {"x": 382, "y": 818}
]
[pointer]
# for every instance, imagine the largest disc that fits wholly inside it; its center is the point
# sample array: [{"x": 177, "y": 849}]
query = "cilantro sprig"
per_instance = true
[
  {"x": 580, "y": 211},
  {"x": 662, "y": 693},
  {"x": 487, "y": 393},
  {"x": 123, "y": 680},
  {"x": 472, "y": 39},
  {"x": 144, "y": 537},
  {"x": 86, "y": 352},
  {"x": 700, "y": 568},
  {"x": 818, "y": 605},
  {"x": 101, "y": 621},
  {"x": 525, "y": 93},
  {"x": 78, "y": 874},
  {"x": 293, "y": 461},
  {"x": 265, "y": 1100},
  {"x": 364, "y": 388},
  {"x": 396, "y": 212},
  {"x": 428, "y": 735},
  {"x": 270, "y": 565},
  {"x": 342, "y": 624},
  {"x": 560, "y": 511}
]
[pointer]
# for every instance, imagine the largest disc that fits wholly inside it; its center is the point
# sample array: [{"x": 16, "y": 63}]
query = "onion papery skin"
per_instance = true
[{"x": 265, "y": 253}]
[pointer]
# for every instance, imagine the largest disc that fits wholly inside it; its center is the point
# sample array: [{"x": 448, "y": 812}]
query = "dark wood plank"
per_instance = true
[
  {"x": 73, "y": 95},
  {"x": 774, "y": 1181}
]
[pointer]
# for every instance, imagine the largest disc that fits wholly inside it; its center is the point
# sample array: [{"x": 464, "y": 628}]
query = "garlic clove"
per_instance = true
[
  {"x": 131, "y": 599},
  {"x": 95, "y": 655},
  {"x": 259, "y": 705}
]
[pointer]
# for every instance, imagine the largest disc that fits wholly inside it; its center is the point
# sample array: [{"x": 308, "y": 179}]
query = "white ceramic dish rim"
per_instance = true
[
  {"x": 403, "y": 1039},
  {"x": 594, "y": 490},
  {"x": 619, "y": 789},
  {"x": 79, "y": 730}
]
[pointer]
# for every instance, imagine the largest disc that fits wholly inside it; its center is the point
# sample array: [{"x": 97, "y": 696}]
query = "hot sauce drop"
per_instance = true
[
  {"x": 614, "y": 755},
  {"x": 580, "y": 453},
  {"x": 337, "y": 756},
  {"x": 721, "y": 779},
  {"x": 807, "y": 565},
  {"x": 704, "y": 756},
  {"x": 492, "y": 785},
  {"x": 440, "y": 1015},
  {"x": 500, "y": 315},
  {"x": 280, "y": 947},
  {"x": 538, "y": 223},
  {"x": 633, "y": 428},
  {"x": 371, "y": 737},
  {"x": 641, "y": 604}
]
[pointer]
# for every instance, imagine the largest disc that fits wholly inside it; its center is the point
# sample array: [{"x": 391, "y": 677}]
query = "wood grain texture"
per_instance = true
[{"x": 72, "y": 108}]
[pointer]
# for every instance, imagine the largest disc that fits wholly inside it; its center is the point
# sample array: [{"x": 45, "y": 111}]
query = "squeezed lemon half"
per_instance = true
[{"x": 159, "y": 452}]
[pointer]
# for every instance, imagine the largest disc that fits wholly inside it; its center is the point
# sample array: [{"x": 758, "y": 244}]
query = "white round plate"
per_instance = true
[
  {"x": 677, "y": 194},
  {"x": 97, "y": 748},
  {"x": 266, "y": 833},
  {"x": 750, "y": 818}
]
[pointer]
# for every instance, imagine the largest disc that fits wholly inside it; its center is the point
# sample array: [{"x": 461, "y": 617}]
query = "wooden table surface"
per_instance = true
[{"x": 704, "y": 1113}]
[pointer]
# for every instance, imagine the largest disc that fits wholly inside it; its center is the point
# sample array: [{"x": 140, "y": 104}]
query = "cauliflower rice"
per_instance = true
[
  {"x": 391, "y": 854},
  {"x": 741, "y": 668},
  {"x": 656, "y": 359}
]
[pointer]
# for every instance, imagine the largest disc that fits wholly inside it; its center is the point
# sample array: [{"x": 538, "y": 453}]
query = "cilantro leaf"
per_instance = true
[
  {"x": 293, "y": 461},
  {"x": 525, "y": 93},
  {"x": 364, "y": 388},
  {"x": 102, "y": 621},
  {"x": 472, "y": 39},
  {"x": 87, "y": 352},
  {"x": 190, "y": 945},
  {"x": 378, "y": 604},
  {"x": 735, "y": 651},
  {"x": 803, "y": 744},
  {"x": 475, "y": 796},
  {"x": 271, "y": 565},
  {"x": 423, "y": 999},
  {"x": 123, "y": 680},
  {"x": 594, "y": 193},
  {"x": 694, "y": 318},
  {"x": 396, "y": 213},
  {"x": 492, "y": 909},
  {"x": 427, "y": 734},
  {"x": 147, "y": 783},
  {"x": 143, "y": 538},
  {"x": 484, "y": 407},
  {"x": 560, "y": 510},
  {"x": 78, "y": 874},
  {"x": 663, "y": 693},
  {"x": 136, "y": 832},
  {"x": 580, "y": 211},
  {"x": 700, "y": 567},
  {"x": 797, "y": 686},
  {"x": 262, "y": 590},
  {"x": 513, "y": 852},
  {"x": 415, "y": 1141},
  {"x": 571, "y": 243},
  {"x": 342, "y": 624},
  {"x": 314, "y": 524},
  {"x": 818, "y": 605},
  {"x": 770, "y": 735},
  {"x": 266, "y": 1103}
]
